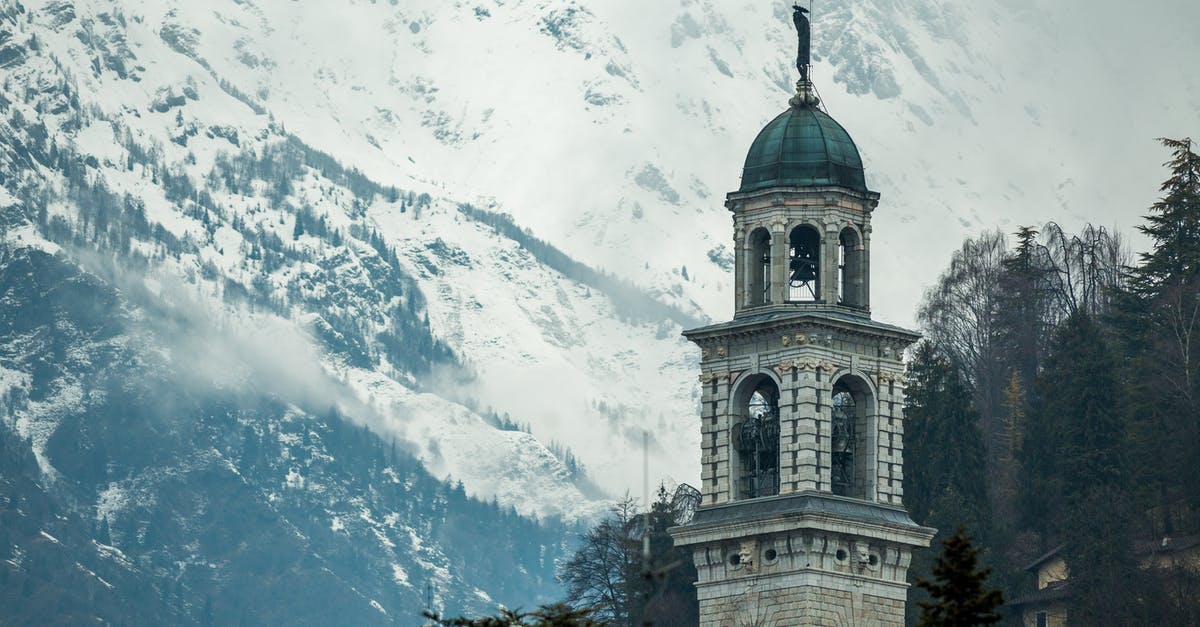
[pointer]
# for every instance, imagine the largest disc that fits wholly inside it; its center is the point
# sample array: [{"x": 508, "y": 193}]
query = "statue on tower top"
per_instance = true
[{"x": 804, "y": 32}]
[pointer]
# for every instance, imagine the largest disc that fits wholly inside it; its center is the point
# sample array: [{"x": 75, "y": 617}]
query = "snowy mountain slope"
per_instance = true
[
  {"x": 200, "y": 208},
  {"x": 192, "y": 496},
  {"x": 614, "y": 128}
]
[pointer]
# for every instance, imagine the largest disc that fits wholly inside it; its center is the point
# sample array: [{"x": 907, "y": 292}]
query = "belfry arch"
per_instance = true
[
  {"x": 758, "y": 264},
  {"x": 851, "y": 269},
  {"x": 804, "y": 264},
  {"x": 755, "y": 437},
  {"x": 852, "y": 429}
]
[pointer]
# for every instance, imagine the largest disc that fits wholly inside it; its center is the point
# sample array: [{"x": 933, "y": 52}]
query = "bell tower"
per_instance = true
[{"x": 802, "y": 519}]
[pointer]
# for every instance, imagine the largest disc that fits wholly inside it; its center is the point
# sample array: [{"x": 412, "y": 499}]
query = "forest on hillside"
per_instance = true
[{"x": 1072, "y": 367}]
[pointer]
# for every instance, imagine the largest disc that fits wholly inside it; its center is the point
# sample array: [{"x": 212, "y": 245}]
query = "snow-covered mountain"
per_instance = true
[{"x": 478, "y": 227}]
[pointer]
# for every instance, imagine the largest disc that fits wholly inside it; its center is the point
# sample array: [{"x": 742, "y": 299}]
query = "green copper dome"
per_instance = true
[{"x": 803, "y": 147}]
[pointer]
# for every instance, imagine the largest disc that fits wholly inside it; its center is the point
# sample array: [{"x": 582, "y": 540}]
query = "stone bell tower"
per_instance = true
[{"x": 802, "y": 521}]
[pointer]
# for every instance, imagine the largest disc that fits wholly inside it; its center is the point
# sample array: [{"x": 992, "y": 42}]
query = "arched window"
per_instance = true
[
  {"x": 756, "y": 439},
  {"x": 804, "y": 265},
  {"x": 850, "y": 283},
  {"x": 759, "y": 264},
  {"x": 852, "y": 463},
  {"x": 844, "y": 442}
]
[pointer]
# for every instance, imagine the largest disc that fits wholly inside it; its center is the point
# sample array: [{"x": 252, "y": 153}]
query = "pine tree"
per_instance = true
[
  {"x": 1173, "y": 224},
  {"x": 943, "y": 445},
  {"x": 944, "y": 478},
  {"x": 958, "y": 592},
  {"x": 1159, "y": 322}
]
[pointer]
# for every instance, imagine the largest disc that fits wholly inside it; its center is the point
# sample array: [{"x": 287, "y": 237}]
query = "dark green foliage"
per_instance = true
[
  {"x": 943, "y": 444},
  {"x": 1173, "y": 224},
  {"x": 944, "y": 483},
  {"x": 958, "y": 591},
  {"x": 611, "y": 573},
  {"x": 1098, "y": 426},
  {"x": 546, "y": 616},
  {"x": 1076, "y": 428},
  {"x": 1076, "y": 474},
  {"x": 1160, "y": 330}
]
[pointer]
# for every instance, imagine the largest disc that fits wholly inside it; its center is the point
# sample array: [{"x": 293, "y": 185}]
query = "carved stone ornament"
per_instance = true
[
  {"x": 748, "y": 553},
  {"x": 807, "y": 365},
  {"x": 862, "y": 555},
  {"x": 787, "y": 341},
  {"x": 828, "y": 367},
  {"x": 722, "y": 352},
  {"x": 785, "y": 366},
  {"x": 801, "y": 339},
  {"x": 706, "y": 354}
]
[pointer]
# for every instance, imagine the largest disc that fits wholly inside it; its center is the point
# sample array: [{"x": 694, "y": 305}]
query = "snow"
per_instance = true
[
  {"x": 113, "y": 500},
  {"x": 40, "y": 419},
  {"x": 399, "y": 575},
  {"x": 615, "y": 142}
]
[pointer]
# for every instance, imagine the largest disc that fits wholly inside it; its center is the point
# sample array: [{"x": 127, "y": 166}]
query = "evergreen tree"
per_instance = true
[
  {"x": 943, "y": 446},
  {"x": 944, "y": 482},
  {"x": 958, "y": 592},
  {"x": 1075, "y": 473},
  {"x": 546, "y": 616},
  {"x": 1158, "y": 317},
  {"x": 1173, "y": 224},
  {"x": 1021, "y": 314}
]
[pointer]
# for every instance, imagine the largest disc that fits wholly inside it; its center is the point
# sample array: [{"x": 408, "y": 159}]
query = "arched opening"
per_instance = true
[
  {"x": 756, "y": 438},
  {"x": 804, "y": 265},
  {"x": 759, "y": 265},
  {"x": 850, "y": 269},
  {"x": 850, "y": 439}
]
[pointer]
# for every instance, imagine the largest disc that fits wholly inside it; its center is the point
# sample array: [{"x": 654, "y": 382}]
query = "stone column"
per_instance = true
[
  {"x": 741, "y": 279},
  {"x": 829, "y": 266},
  {"x": 866, "y": 267},
  {"x": 779, "y": 263},
  {"x": 807, "y": 447}
]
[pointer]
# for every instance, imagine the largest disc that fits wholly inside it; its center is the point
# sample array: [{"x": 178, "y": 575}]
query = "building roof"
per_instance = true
[
  {"x": 1055, "y": 591},
  {"x": 803, "y": 147},
  {"x": 1049, "y": 555},
  {"x": 807, "y": 502},
  {"x": 800, "y": 314}
]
